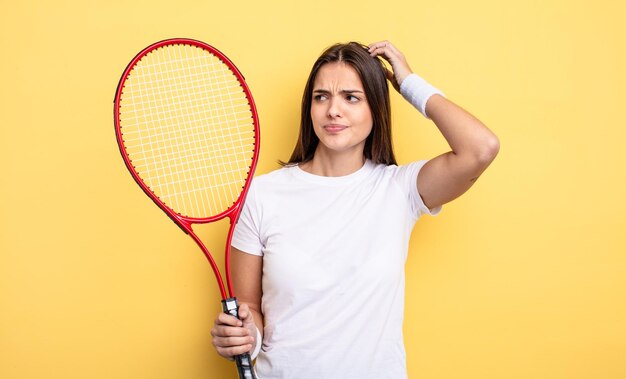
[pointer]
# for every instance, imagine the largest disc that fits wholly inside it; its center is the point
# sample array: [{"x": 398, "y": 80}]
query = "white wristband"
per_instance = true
[
  {"x": 257, "y": 347},
  {"x": 417, "y": 91}
]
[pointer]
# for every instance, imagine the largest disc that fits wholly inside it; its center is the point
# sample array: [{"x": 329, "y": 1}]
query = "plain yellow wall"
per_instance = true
[{"x": 523, "y": 277}]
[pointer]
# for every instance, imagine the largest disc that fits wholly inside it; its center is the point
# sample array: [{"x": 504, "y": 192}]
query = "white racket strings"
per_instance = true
[{"x": 188, "y": 129}]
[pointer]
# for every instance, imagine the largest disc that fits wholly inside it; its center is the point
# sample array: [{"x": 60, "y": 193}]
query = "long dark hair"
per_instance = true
[{"x": 371, "y": 71}]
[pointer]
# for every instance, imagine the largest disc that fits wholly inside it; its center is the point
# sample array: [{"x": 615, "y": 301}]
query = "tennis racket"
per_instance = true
[{"x": 188, "y": 131}]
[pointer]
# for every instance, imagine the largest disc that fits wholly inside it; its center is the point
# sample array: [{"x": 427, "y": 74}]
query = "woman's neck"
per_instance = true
[{"x": 334, "y": 164}]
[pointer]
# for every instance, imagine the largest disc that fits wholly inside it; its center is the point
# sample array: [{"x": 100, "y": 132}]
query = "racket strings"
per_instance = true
[
  {"x": 190, "y": 145},
  {"x": 227, "y": 153},
  {"x": 188, "y": 129}
]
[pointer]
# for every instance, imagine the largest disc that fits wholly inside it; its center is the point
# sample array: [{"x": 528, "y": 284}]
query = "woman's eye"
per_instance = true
[
  {"x": 352, "y": 98},
  {"x": 320, "y": 97}
]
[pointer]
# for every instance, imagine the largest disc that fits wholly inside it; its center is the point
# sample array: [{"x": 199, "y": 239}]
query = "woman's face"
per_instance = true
[{"x": 341, "y": 115}]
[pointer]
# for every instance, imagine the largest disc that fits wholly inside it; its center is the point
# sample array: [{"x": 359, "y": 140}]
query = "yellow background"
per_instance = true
[{"x": 523, "y": 277}]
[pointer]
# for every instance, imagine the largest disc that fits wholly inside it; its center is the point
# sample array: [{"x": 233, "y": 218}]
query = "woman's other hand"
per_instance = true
[{"x": 396, "y": 59}]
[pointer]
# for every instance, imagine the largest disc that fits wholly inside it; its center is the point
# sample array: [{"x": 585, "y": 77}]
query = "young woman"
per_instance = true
[{"x": 319, "y": 250}]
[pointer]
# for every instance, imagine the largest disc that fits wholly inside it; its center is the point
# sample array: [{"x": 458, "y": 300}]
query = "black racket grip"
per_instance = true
[{"x": 245, "y": 369}]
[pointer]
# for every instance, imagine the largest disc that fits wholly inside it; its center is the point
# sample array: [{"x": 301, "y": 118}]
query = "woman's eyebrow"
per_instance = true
[{"x": 343, "y": 91}]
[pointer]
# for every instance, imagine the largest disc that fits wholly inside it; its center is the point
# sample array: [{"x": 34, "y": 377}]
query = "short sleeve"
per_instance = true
[
  {"x": 247, "y": 235},
  {"x": 406, "y": 175}
]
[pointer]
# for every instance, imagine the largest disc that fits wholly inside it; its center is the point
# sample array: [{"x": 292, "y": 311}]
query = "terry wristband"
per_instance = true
[{"x": 417, "y": 91}]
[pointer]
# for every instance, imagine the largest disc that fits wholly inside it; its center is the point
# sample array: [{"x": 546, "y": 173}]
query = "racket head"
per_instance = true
[{"x": 187, "y": 129}]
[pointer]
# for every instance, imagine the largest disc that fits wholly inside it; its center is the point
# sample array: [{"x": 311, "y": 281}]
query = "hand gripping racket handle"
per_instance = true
[{"x": 244, "y": 362}]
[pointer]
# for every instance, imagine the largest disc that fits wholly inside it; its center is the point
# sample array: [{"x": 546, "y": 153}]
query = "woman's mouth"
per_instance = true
[{"x": 334, "y": 128}]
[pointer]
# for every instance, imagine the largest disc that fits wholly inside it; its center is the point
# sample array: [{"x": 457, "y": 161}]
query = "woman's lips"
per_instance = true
[{"x": 334, "y": 128}]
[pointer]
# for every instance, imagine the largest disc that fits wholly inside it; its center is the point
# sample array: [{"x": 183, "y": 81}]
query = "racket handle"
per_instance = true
[{"x": 245, "y": 369}]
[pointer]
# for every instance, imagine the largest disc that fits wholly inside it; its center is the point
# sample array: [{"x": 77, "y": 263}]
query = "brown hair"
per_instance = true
[{"x": 371, "y": 71}]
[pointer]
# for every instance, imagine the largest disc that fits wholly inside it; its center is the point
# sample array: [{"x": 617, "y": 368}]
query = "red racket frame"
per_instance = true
[{"x": 185, "y": 223}]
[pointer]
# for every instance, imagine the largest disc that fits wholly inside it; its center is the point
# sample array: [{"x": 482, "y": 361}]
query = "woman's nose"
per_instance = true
[{"x": 334, "y": 108}]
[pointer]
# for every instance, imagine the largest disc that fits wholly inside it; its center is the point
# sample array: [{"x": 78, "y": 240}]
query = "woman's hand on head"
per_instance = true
[
  {"x": 391, "y": 54},
  {"x": 232, "y": 336}
]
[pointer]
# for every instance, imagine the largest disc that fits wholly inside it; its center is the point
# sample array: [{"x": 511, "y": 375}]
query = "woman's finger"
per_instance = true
[
  {"x": 392, "y": 79},
  {"x": 244, "y": 312},
  {"x": 229, "y": 331},
  {"x": 232, "y": 341},
  {"x": 385, "y": 49},
  {"x": 378, "y": 45},
  {"x": 226, "y": 319},
  {"x": 391, "y": 54},
  {"x": 229, "y": 352}
]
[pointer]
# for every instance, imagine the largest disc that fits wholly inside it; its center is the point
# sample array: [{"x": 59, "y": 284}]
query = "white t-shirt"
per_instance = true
[{"x": 333, "y": 252}]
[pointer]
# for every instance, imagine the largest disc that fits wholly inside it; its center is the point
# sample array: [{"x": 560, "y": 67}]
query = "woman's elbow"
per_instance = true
[
  {"x": 492, "y": 147},
  {"x": 488, "y": 150}
]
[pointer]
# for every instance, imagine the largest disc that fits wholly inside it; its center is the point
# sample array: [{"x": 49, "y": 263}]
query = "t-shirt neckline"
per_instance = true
[{"x": 367, "y": 167}]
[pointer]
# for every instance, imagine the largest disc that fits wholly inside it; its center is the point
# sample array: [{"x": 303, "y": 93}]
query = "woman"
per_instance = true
[{"x": 319, "y": 250}]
